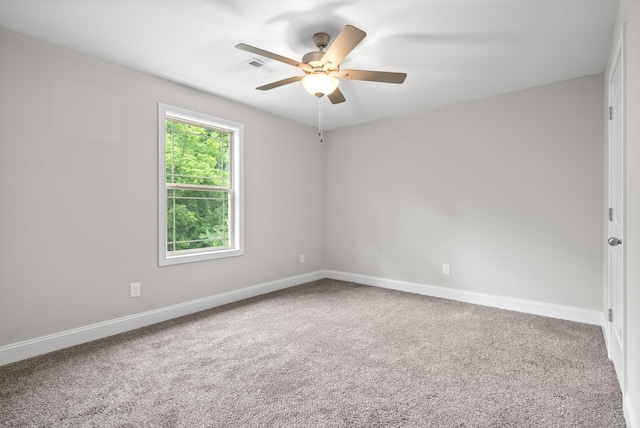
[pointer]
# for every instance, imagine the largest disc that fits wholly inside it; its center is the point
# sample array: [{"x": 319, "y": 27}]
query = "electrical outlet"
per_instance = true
[
  {"x": 134, "y": 289},
  {"x": 446, "y": 269},
  {"x": 301, "y": 258}
]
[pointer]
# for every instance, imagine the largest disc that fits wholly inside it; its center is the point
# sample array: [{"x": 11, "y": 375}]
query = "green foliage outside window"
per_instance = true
[{"x": 198, "y": 186}]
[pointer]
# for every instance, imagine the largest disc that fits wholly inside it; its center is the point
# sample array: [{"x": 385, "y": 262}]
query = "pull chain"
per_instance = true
[{"x": 320, "y": 118}]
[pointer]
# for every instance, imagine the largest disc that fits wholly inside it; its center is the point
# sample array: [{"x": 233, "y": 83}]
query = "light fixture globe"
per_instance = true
[{"x": 319, "y": 84}]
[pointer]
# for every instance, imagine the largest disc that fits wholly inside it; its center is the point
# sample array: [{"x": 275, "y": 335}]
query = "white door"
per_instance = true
[{"x": 616, "y": 241}]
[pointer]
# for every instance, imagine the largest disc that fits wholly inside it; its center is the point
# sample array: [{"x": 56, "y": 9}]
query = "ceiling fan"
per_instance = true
[{"x": 322, "y": 69}]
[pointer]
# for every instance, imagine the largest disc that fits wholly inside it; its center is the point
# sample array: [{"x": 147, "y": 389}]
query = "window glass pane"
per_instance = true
[
  {"x": 197, "y": 155},
  {"x": 197, "y": 219}
]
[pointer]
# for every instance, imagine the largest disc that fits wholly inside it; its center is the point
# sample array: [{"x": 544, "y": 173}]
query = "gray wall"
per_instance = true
[
  {"x": 78, "y": 179},
  {"x": 508, "y": 190},
  {"x": 629, "y": 14}
]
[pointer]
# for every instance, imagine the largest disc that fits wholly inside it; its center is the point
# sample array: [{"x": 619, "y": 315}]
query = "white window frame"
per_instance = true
[{"x": 166, "y": 258}]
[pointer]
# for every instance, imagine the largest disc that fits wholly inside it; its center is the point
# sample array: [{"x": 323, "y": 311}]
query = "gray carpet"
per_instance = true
[{"x": 326, "y": 354}]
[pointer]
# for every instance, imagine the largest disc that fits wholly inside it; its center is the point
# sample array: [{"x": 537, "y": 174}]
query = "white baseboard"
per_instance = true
[
  {"x": 630, "y": 413},
  {"x": 605, "y": 332},
  {"x": 568, "y": 313},
  {"x": 53, "y": 342}
]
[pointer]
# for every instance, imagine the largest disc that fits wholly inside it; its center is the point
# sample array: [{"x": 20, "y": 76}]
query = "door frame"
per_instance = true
[{"x": 619, "y": 58}]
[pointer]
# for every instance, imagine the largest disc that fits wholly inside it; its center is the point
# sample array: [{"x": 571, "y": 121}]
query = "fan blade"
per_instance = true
[
  {"x": 271, "y": 55},
  {"x": 280, "y": 83},
  {"x": 348, "y": 39},
  {"x": 372, "y": 76},
  {"x": 336, "y": 97}
]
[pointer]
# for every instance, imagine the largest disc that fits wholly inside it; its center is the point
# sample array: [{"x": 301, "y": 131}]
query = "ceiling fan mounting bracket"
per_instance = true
[{"x": 321, "y": 40}]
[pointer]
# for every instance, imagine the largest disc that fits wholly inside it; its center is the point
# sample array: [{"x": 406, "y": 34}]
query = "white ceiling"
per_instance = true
[{"x": 452, "y": 50}]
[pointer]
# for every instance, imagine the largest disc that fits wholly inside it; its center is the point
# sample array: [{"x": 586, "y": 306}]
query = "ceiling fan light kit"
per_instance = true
[{"x": 319, "y": 84}]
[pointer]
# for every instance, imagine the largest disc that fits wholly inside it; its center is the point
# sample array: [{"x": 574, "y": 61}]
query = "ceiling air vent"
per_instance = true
[{"x": 256, "y": 63}]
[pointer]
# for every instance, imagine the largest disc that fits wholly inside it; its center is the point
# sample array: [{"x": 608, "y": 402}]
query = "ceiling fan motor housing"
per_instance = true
[{"x": 313, "y": 59}]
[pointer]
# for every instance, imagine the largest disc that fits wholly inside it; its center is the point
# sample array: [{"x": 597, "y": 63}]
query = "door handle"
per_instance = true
[{"x": 614, "y": 241}]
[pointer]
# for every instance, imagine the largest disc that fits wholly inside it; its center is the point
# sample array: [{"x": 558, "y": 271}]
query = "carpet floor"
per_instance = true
[{"x": 326, "y": 354}]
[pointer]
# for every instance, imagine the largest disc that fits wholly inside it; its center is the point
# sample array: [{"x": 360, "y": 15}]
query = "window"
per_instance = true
[{"x": 200, "y": 197}]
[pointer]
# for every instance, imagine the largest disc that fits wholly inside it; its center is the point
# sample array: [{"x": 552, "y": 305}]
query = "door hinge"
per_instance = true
[
  {"x": 610, "y": 214},
  {"x": 611, "y": 113},
  {"x": 610, "y": 315}
]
